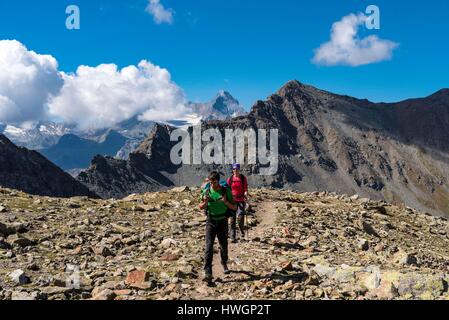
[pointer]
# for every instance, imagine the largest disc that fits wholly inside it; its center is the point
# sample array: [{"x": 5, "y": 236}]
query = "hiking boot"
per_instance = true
[
  {"x": 208, "y": 277},
  {"x": 226, "y": 270}
]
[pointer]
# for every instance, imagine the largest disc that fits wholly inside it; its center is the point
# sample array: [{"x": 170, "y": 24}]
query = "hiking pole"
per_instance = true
[{"x": 247, "y": 226}]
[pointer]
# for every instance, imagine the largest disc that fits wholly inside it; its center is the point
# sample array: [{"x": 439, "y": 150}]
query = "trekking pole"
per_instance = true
[{"x": 247, "y": 226}]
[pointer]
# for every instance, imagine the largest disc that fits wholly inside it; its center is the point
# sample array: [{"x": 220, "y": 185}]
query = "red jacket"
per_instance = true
[{"x": 239, "y": 187}]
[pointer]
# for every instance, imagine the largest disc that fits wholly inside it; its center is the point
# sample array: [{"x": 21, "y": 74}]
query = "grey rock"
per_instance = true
[
  {"x": 19, "y": 277},
  {"x": 25, "y": 296},
  {"x": 20, "y": 241}
]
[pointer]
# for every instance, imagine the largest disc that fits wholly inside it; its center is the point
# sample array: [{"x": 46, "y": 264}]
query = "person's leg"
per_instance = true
[
  {"x": 234, "y": 227},
  {"x": 241, "y": 217},
  {"x": 209, "y": 252},
  {"x": 222, "y": 234}
]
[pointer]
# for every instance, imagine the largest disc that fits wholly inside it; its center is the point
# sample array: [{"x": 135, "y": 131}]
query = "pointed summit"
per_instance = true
[
  {"x": 223, "y": 106},
  {"x": 223, "y": 94},
  {"x": 293, "y": 88}
]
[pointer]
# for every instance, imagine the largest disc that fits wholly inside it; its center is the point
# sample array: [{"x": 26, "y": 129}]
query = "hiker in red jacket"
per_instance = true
[{"x": 239, "y": 187}]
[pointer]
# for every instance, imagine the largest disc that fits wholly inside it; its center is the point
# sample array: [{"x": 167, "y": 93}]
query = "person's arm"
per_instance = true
[
  {"x": 229, "y": 201},
  {"x": 204, "y": 202},
  {"x": 245, "y": 185},
  {"x": 203, "y": 205}
]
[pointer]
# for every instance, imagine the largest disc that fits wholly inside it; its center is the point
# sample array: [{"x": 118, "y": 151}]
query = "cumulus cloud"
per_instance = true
[
  {"x": 27, "y": 80},
  {"x": 33, "y": 89},
  {"x": 99, "y": 97},
  {"x": 346, "y": 48},
  {"x": 159, "y": 12}
]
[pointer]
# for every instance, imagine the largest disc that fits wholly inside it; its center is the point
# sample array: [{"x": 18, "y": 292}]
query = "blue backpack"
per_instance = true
[{"x": 223, "y": 184}]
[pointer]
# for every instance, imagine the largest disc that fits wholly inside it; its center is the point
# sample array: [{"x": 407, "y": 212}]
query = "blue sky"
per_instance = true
[{"x": 250, "y": 48}]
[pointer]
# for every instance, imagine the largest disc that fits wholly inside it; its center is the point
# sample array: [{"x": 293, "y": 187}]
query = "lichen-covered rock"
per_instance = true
[{"x": 421, "y": 286}]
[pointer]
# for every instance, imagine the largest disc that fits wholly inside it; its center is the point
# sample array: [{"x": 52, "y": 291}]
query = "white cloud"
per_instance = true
[
  {"x": 33, "y": 89},
  {"x": 346, "y": 48},
  {"x": 27, "y": 79},
  {"x": 159, "y": 13},
  {"x": 99, "y": 97}
]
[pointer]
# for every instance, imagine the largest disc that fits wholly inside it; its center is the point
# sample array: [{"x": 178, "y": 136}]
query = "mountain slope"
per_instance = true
[
  {"x": 72, "y": 152},
  {"x": 30, "y": 172},
  {"x": 328, "y": 142}
]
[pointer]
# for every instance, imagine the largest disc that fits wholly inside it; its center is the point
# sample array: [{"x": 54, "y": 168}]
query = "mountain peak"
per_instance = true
[
  {"x": 223, "y": 106},
  {"x": 291, "y": 88},
  {"x": 224, "y": 94}
]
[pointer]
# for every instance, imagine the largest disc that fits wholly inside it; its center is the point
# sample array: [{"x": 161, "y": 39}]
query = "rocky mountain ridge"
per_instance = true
[{"x": 327, "y": 142}]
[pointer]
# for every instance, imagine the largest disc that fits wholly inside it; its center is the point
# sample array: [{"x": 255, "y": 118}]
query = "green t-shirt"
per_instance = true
[{"x": 216, "y": 208}]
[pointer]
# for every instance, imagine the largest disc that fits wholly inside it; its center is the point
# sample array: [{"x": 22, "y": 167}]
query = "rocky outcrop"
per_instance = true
[
  {"x": 397, "y": 152},
  {"x": 115, "y": 178},
  {"x": 298, "y": 247},
  {"x": 29, "y": 171}
]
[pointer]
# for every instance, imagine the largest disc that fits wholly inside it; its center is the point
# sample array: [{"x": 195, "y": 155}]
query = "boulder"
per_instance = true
[
  {"x": 363, "y": 245},
  {"x": 180, "y": 189},
  {"x": 404, "y": 258},
  {"x": 105, "y": 295},
  {"x": 25, "y": 296},
  {"x": 167, "y": 243},
  {"x": 20, "y": 241},
  {"x": 19, "y": 277},
  {"x": 137, "y": 277},
  {"x": 104, "y": 251},
  {"x": 421, "y": 286}
]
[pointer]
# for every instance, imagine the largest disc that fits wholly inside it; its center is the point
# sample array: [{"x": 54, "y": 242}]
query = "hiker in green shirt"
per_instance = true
[{"x": 217, "y": 201}]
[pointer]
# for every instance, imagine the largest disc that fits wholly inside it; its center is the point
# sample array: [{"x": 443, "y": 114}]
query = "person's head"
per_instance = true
[
  {"x": 236, "y": 169},
  {"x": 214, "y": 178}
]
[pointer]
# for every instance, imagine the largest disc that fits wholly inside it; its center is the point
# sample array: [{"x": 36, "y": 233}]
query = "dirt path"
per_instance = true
[{"x": 266, "y": 213}]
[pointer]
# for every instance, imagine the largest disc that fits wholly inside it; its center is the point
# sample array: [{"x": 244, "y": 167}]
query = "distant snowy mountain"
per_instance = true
[
  {"x": 38, "y": 136},
  {"x": 223, "y": 107},
  {"x": 72, "y": 149}
]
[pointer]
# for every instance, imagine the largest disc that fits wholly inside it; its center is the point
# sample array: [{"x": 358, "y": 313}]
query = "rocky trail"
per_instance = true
[
  {"x": 264, "y": 218},
  {"x": 150, "y": 246}
]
